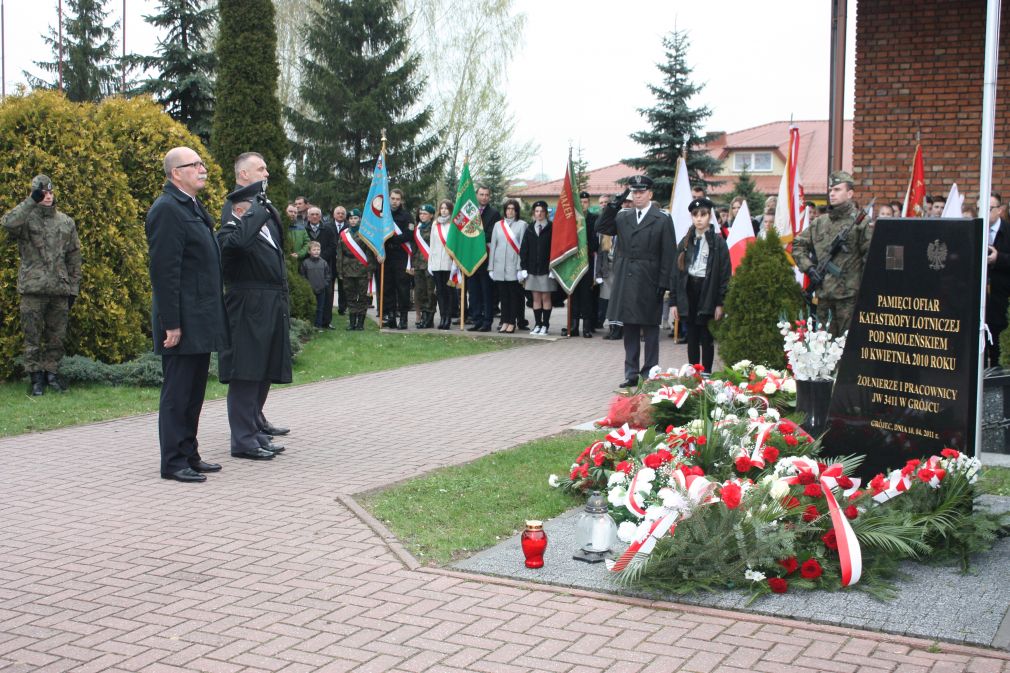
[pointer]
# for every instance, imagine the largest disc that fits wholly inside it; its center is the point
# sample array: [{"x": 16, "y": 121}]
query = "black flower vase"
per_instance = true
[{"x": 813, "y": 398}]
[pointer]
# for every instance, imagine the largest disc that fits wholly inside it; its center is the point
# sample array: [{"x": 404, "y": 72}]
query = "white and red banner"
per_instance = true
[
  {"x": 508, "y": 236},
  {"x": 789, "y": 210},
  {"x": 352, "y": 245},
  {"x": 741, "y": 234},
  {"x": 915, "y": 195},
  {"x": 422, "y": 245},
  {"x": 680, "y": 200}
]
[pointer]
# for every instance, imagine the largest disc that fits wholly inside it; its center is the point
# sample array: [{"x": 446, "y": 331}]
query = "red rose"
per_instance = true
[
  {"x": 790, "y": 564},
  {"x": 855, "y": 495},
  {"x": 950, "y": 453},
  {"x": 777, "y": 585},
  {"x": 806, "y": 477},
  {"x": 731, "y": 494},
  {"x": 844, "y": 482},
  {"x": 770, "y": 454},
  {"x": 664, "y": 455},
  {"x": 851, "y": 512},
  {"x": 652, "y": 460},
  {"x": 812, "y": 490},
  {"x": 925, "y": 475},
  {"x": 811, "y": 569},
  {"x": 599, "y": 458},
  {"x": 787, "y": 427},
  {"x": 810, "y": 513},
  {"x": 743, "y": 464},
  {"x": 878, "y": 484},
  {"x": 790, "y": 440},
  {"x": 829, "y": 540}
]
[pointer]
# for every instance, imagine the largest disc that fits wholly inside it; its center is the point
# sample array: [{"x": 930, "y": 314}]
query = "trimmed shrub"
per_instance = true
[{"x": 762, "y": 290}]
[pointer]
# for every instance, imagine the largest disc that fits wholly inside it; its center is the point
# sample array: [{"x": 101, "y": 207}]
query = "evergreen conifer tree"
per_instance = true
[
  {"x": 90, "y": 69},
  {"x": 762, "y": 291},
  {"x": 494, "y": 177},
  {"x": 184, "y": 64},
  {"x": 359, "y": 77},
  {"x": 747, "y": 188},
  {"x": 671, "y": 121},
  {"x": 247, "y": 114}
]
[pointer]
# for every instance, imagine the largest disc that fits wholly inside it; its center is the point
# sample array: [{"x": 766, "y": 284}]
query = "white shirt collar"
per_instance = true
[{"x": 643, "y": 211}]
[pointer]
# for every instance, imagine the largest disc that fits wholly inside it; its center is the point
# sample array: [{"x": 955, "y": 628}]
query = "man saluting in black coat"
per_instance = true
[
  {"x": 256, "y": 298},
  {"x": 187, "y": 314}
]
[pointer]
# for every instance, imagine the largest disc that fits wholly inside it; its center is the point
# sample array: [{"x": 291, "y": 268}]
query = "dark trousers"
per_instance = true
[
  {"x": 443, "y": 294},
  {"x": 341, "y": 297},
  {"x": 510, "y": 293},
  {"x": 478, "y": 290},
  {"x": 321, "y": 307},
  {"x": 396, "y": 288},
  {"x": 700, "y": 344},
  {"x": 632, "y": 350},
  {"x": 991, "y": 358},
  {"x": 182, "y": 391},
  {"x": 245, "y": 414},
  {"x": 582, "y": 301}
]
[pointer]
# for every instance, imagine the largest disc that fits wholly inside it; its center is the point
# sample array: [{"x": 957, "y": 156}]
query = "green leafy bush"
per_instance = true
[{"x": 762, "y": 290}]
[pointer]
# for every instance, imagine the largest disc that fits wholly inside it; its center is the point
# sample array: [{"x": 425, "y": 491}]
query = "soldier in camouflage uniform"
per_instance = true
[
  {"x": 355, "y": 274},
  {"x": 836, "y": 297},
  {"x": 48, "y": 280},
  {"x": 424, "y": 282}
]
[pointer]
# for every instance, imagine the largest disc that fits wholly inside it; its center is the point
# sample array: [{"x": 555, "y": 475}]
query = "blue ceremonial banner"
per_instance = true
[{"x": 376, "y": 218}]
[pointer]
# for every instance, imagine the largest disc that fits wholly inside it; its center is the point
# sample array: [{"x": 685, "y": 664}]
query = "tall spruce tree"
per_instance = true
[
  {"x": 90, "y": 69},
  {"x": 494, "y": 177},
  {"x": 671, "y": 121},
  {"x": 247, "y": 114},
  {"x": 747, "y": 188},
  {"x": 359, "y": 77},
  {"x": 184, "y": 64}
]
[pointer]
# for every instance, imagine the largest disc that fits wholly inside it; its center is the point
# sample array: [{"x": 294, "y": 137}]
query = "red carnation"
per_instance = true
[
  {"x": 829, "y": 540},
  {"x": 950, "y": 453},
  {"x": 855, "y": 495},
  {"x": 812, "y": 490},
  {"x": 599, "y": 458},
  {"x": 669, "y": 429},
  {"x": 810, "y": 513},
  {"x": 811, "y": 569},
  {"x": 791, "y": 503},
  {"x": 700, "y": 441},
  {"x": 652, "y": 461},
  {"x": 697, "y": 471},
  {"x": 878, "y": 484},
  {"x": 806, "y": 477},
  {"x": 770, "y": 454},
  {"x": 909, "y": 467},
  {"x": 925, "y": 475},
  {"x": 698, "y": 368},
  {"x": 851, "y": 512},
  {"x": 623, "y": 466},
  {"x": 777, "y": 585},
  {"x": 574, "y": 474},
  {"x": 787, "y": 427},
  {"x": 790, "y": 564},
  {"x": 664, "y": 455},
  {"x": 743, "y": 464},
  {"x": 844, "y": 482},
  {"x": 790, "y": 440},
  {"x": 731, "y": 494}
]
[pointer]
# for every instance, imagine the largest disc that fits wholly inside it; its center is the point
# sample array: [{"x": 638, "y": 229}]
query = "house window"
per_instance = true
[{"x": 754, "y": 162}]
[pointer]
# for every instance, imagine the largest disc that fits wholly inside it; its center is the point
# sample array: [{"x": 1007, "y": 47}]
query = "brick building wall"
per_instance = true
[{"x": 919, "y": 67}]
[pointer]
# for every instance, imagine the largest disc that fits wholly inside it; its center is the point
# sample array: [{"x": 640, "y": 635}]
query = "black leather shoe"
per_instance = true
[
  {"x": 272, "y": 429},
  {"x": 185, "y": 475},
  {"x": 273, "y": 448},
  {"x": 253, "y": 454},
  {"x": 201, "y": 466},
  {"x": 38, "y": 384},
  {"x": 486, "y": 327},
  {"x": 587, "y": 333},
  {"x": 630, "y": 383},
  {"x": 53, "y": 381}
]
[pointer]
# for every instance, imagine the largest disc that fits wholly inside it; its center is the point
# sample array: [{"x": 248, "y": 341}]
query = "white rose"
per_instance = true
[
  {"x": 616, "y": 479},
  {"x": 617, "y": 495},
  {"x": 789, "y": 386},
  {"x": 779, "y": 489},
  {"x": 760, "y": 371},
  {"x": 552, "y": 481},
  {"x": 769, "y": 388},
  {"x": 626, "y": 532}
]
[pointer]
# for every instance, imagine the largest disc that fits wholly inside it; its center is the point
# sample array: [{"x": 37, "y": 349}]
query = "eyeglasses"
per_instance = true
[{"x": 196, "y": 164}]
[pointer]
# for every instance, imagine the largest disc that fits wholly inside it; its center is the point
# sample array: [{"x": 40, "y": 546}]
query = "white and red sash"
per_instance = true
[
  {"x": 353, "y": 246},
  {"x": 405, "y": 246},
  {"x": 508, "y": 236},
  {"x": 422, "y": 245}
]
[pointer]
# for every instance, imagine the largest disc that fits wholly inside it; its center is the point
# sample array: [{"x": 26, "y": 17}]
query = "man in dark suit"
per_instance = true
[
  {"x": 339, "y": 223},
  {"x": 187, "y": 312},
  {"x": 480, "y": 289},
  {"x": 643, "y": 272},
  {"x": 256, "y": 298},
  {"x": 324, "y": 233}
]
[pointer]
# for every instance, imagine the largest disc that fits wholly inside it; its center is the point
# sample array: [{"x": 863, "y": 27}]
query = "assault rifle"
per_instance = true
[{"x": 817, "y": 272}]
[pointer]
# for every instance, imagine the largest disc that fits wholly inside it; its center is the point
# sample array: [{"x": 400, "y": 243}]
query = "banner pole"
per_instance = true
[
  {"x": 462, "y": 301},
  {"x": 568, "y": 305},
  {"x": 382, "y": 288}
]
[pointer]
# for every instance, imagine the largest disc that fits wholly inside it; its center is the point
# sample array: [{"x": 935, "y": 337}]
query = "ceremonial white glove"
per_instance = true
[
  {"x": 522, "y": 275},
  {"x": 599, "y": 281},
  {"x": 453, "y": 270}
]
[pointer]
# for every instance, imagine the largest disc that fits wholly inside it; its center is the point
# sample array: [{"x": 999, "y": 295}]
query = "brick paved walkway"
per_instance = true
[{"x": 106, "y": 567}]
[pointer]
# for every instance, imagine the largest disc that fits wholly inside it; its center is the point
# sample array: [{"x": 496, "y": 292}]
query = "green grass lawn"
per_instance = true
[
  {"x": 995, "y": 480},
  {"x": 454, "y": 511},
  {"x": 331, "y": 354}
]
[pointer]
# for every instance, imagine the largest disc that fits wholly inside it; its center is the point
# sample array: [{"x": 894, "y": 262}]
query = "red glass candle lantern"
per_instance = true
[{"x": 534, "y": 542}]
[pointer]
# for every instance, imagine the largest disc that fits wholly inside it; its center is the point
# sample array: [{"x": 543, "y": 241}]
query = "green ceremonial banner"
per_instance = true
[
  {"x": 466, "y": 242},
  {"x": 570, "y": 257}
]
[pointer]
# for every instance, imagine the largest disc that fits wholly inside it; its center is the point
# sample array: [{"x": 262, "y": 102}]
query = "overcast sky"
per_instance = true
[{"x": 583, "y": 67}]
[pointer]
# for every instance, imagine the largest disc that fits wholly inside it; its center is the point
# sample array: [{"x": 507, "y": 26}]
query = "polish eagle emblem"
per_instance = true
[{"x": 936, "y": 253}]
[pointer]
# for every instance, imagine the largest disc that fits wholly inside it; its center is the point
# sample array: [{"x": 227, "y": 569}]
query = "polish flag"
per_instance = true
[
  {"x": 789, "y": 210},
  {"x": 955, "y": 201},
  {"x": 679, "y": 201},
  {"x": 741, "y": 234}
]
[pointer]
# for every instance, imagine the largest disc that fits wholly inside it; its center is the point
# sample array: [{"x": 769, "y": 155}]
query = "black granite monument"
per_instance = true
[{"x": 906, "y": 385}]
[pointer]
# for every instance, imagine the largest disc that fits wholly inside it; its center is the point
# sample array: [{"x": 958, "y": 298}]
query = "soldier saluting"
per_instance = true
[
  {"x": 838, "y": 285},
  {"x": 48, "y": 280}
]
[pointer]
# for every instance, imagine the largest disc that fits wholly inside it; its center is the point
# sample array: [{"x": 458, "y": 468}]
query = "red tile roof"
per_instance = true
[
  {"x": 601, "y": 181},
  {"x": 813, "y": 163}
]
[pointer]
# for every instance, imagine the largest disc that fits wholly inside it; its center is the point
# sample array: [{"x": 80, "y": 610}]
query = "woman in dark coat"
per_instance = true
[
  {"x": 535, "y": 266},
  {"x": 701, "y": 279}
]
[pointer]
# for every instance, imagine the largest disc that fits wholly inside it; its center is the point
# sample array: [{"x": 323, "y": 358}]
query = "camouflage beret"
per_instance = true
[
  {"x": 839, "y": 177},
  {"x": 43, "y": 182}
]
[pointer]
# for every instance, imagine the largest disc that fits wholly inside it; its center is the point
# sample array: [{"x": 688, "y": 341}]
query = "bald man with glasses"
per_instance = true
[{"x": 187, "y": 310}]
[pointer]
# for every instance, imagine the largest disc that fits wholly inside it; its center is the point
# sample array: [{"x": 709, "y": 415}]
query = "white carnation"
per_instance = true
[
  {"x": 627, "y": 531},
  {"x": 552, "y": 481}
]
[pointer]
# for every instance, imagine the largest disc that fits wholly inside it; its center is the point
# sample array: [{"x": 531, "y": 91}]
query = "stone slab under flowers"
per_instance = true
[{"x": 935, "y": 602}]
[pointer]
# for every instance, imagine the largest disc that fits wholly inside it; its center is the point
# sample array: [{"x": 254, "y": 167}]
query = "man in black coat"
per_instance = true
[
  {"x": 324, "y": 233},
  {"x": 480, "y": 290},
  {"x": 339, "y": 223},
  {"x": 643, "y": 272},
  {"x": 998, "y": 260},
  {"x": 583, "y": 304},
  {"x": 187, "y": 312},
  {"x": 396, "y": 281},
  {"x": 256, "y": 299}
]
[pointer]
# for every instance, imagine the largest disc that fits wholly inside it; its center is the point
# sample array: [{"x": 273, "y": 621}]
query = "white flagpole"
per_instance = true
[{"x": 992, "y": 20}]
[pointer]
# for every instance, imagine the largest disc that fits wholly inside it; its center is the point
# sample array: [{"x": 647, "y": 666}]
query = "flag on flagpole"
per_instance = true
[
  {"x": 915, "y": 195},
  {"x": 466, "y": 243},
  {"x": 376, "y": 218},
  {"x": 680, "y": 199},
  {"x": 788, "y": 210},
  {"x": 569, "y": 249},
  {"x": 955, "y": 201},
  {"x": 741, "y": 234}
]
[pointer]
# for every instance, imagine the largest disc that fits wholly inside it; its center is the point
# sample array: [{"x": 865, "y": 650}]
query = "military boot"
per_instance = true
[
  {"x": 402, "y": 324},
  {"x": 38, "y": 384},
  {"x": 430, "y": 322},
  {"x": 390, "y": 320},
  {"x": 352, "y": 320},
  {"x": 55, "y": 383}
]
